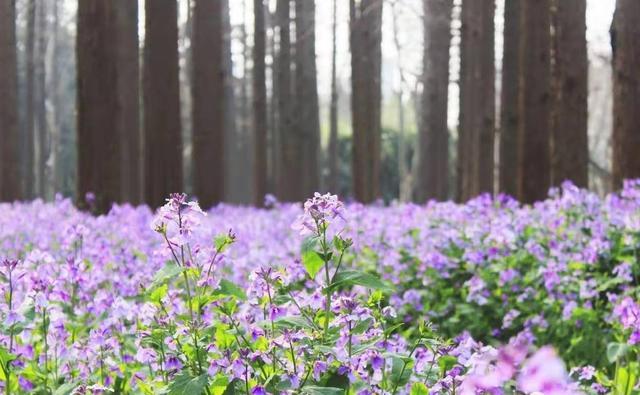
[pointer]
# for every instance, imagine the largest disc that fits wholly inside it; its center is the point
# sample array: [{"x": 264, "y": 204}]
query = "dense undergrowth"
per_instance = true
[{"x": 486, "y": 297}]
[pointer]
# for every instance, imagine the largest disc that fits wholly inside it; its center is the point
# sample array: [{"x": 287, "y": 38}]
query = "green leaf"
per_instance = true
[
  {"x": 615, "y": 351},
  {"x": 419, "y": 389},
  {"x": 157, "y": 294},
  {"x": 401, "y": 371},
  {"x": 227, "y": 288},
  {"x": 447, "y": 362},
  {"x": 315, "y": 390},
  {"x": 293, "y": 322},
  {"x": 311, "y": 260},
  {"x": 625, "y": 381},
  {"x": 185, "y": 384},
  {"x": 348, "y": 278},
  {"x": 164, "y": 275}
]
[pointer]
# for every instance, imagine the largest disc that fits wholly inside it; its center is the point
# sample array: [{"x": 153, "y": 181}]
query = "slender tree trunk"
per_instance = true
[
  {"x": 366, "y": 96},
  {"x": 42, "y": 135},
  {"x": 53, "y": 95},
  {"x": 433, "y": 139},
  {"x": 259, "y": 104},
  {"x": 162, "y": 128},
  {"x": 569, "y": 142},
  {"x": 625, "y": 40},
  {"x": 404, "y": 178},
  {"x": 233, "y": 159},
  {"x": 128, "y": 99},
  {"x": 509, "y": 99},
  {"x": 477, "y": 109},
  {"x": 286, "y": 168},
  {"x": 28, "y": 151},
  {"x": 9, "y": 139},
  {"x": 245, "y": 129},
  {"x": 306, "y": 109},
  {"x": 534, "y": 103},
  {"x": 98, "y": 144},
  {"x": 208, "y": 92},
  {"x": 333, "y": 109}
]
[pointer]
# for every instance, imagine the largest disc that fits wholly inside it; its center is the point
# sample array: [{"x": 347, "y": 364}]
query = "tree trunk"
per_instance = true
[
  {"x": 509, "y": 99},
  {"x": 432, "y": 171},
  {"x": 477, "y": 107},
  {"x": 53, "y": 95},
  {"x": 234, "y": 160},
  {"x": 245, "y": 146},
  {"x": 128, "y": 99},
  {"x": 569, "y": 142},
  {"x": 286, "y": 169},
  {"x": 98, "y": 144},
  {"x": 534, "y": 104},
  {"x": 9, "y": 138},
  {"x": 307, "y": 116},
  {"x": 28, "y": 150},
  {"x": 259, "y": 104},
  {"x": 42, "y": 135},
  {"x": 208, "y": 92},
  {"x": 332, "y": 185},
  {"x": 625, "y": 40},
  {"x": 366, "y": 95},
  {"x": 162, "y": 128}
]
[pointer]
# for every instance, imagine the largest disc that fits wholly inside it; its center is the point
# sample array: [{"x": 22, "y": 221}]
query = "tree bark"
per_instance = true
[
  {"x": 534, "y": 104},
  {"x": 41, "y": 136},
  {"x": 208, "y": 90},
  {"x": 307, "y": 116},
  {"x": 432, "y": 171},
  {"x": 569, "y": 141},
  {"x": 477, "y": 107},
  {"x": 287, "y": 172},
  {"x": 259, "y": 104},
  {"x": 28, "y": 150},
  {"x": 509, "y": 99},
  {"x": 128, "y": 99},
  {"x": 332, "y": 185},
  {"x": 366, "y": 95},
  {"x": 9, "y": 138},
  {"x": 98, "y": 144},
  {"x": 162, "y": 127},
  {"x": 625, "y": 40}
]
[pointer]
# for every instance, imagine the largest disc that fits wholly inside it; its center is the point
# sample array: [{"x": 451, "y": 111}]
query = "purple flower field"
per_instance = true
[{"x": 330, "y": 298}]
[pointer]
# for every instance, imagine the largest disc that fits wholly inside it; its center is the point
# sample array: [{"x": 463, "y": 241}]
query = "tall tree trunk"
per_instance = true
[
  {"x": 9, "y": 139},
  {"x": 477, "y": 107},
  {"x": 286, "y": 168},
  {"x": 432, "y": 171},
  {"x": 569, "y": 141},
  {"x": 28, "y": 150},
  {"x": 404, "y": 178},
  {"x": 98, "y": 144},
  {"x": 128, "y": 99},
  {"x": 162, "y": 130},
  {"x": 42, "y": 136},
  {"x": 332, "y": 185},
  {"x": 307, "y": 116},
  {"x": 245, "y": 130},
  {"x": 625, "y": 40},
  {"x": 509, "y": 99},
  {"x": 366, "y": 57},
  {"x": 53, "y": 95},
  {"x": 535, "y": 101},
  {"x": 234, "y": 160},
  {"x": 208, "y": 92},
  {"x": 259, "y": 104}
]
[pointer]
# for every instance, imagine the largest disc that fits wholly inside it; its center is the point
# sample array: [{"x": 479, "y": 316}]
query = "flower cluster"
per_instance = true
[{"x": 488, "y": 296}]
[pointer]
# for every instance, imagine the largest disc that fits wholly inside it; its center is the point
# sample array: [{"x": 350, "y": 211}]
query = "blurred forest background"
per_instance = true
[{"x": 230, "y": 100}]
